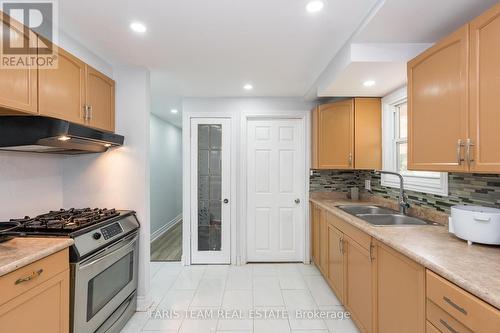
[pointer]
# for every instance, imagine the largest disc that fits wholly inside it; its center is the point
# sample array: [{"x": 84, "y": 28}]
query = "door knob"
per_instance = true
[
  {"x": 226, "y": 201},
  {"x": 297, "y": 201}
]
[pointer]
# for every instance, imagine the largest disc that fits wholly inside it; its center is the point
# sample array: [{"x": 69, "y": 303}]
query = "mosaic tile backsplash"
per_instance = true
[{"x": 472, "y": 189}]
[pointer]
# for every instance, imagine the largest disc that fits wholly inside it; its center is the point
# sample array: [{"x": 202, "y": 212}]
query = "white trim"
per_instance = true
[
  {"x": 242, "y": 233},
  {"x": 431, "y": 185},
  {"x": 166, "y": 227},
  {"x": 186, "y": 181}
]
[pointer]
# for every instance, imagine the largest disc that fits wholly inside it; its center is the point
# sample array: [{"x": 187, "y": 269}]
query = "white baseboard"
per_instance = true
[
  {"x": 158, "y": 233},
  {"x": 144, "y": 303}
]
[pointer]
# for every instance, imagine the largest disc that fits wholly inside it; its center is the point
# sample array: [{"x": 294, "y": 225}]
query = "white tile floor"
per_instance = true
[{"x": 222, "y": 299}]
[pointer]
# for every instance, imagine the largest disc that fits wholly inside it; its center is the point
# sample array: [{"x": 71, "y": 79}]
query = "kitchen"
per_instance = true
[{"x": 343, "y": 183}]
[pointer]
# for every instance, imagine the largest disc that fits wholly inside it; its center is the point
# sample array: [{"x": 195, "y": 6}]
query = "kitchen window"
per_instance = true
[{"x": 395, "y": 149}]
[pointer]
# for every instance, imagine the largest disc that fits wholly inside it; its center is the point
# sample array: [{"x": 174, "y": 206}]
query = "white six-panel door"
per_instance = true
[{"x": 275, "y": 190}]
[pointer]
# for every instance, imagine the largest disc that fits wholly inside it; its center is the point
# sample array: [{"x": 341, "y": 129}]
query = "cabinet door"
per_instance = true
[
  {"x": 336, "y": 135},
  {"x": 336, "y": 261},
  {"x": 359, "y": 292},
  {"x": 46, "y": 306},
  {"x": 438, "y": 104},
  {"x": 400, "y": 293},
  {"x": 314, "y": 137},
  {"x": 323, "y": 243},
  {"x": 484, "y": 93},
  {"x": 368, "y": 133},
  {"x": 61, "y": 91},
  {"x": 18, "y": 87},
  {"x": 315, "y": 215},
  {"x": 101, "y": 99}
]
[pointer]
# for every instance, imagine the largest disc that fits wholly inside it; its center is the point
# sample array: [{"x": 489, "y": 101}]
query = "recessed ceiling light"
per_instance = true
[
  {"x": 369, "y": 83},
  {"x": 64, "y": 138},
  {"x": 248, "y": 86},
  {"x": 315, "y": 6},
  {"x": 138, "y": 27},
  {"x": 107, "y": 145},
  {"x": 174, "y": 111}
]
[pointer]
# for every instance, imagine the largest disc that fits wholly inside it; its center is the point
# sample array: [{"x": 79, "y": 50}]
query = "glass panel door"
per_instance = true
[{"x": 210, "y": 175}]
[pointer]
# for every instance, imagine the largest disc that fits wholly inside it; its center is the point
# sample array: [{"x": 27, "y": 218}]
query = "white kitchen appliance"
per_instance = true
[{"x": 476, "y": 224}]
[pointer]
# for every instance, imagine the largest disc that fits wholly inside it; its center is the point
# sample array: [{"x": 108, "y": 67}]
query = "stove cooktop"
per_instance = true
[{"x": 65, "y": 222}]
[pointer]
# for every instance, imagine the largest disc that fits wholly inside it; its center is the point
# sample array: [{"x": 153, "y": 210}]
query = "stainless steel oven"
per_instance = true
[{"x": 104, "y": 285}]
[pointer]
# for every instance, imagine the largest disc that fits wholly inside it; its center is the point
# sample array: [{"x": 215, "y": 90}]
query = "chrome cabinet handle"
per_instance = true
[
  {"x": 468, "y": 145},
  {"x": 459, "y": 151},
  {"x": 350, "y": 159},
  {"x": 341, "y": 245},
  {"x": 90, "y": 112},
  {"x": 85, "y": 112},
  {"x": 448, "y": 326},
  {"x": 454, "y": 305},
  {"x": 371, "y": 253},
  {"x": 29, "y": 277}
]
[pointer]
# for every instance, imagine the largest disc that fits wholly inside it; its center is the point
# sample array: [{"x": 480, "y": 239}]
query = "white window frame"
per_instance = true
[{"x": 432, "y": 185}]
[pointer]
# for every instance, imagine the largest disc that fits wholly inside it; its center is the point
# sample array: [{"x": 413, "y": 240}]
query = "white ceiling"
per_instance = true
[
  {"x": 211, "y": 48},
  {"x": 419, "y": 21}
]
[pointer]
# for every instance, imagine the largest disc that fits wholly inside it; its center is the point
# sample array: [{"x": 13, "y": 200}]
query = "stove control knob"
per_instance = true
[{"x": 96, "y": 236}]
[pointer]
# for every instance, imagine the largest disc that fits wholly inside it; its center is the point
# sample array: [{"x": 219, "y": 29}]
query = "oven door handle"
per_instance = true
[{"x": 104, "y": 254}]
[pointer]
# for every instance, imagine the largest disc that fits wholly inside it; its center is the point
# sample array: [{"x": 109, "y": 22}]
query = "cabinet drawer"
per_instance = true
[
  {"x": 443, "y": 321},
  {"x": 469, "y": 310},
  {"x": 429, "y": 328},
  {"x": 39, "y": 272}
]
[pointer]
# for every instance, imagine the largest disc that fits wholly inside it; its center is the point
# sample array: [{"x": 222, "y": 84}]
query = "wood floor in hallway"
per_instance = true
[{"x": 168, "y": 247}]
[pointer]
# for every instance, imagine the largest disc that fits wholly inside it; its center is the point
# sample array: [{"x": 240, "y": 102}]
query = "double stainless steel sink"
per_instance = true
[{"x": 380, "y": 216}]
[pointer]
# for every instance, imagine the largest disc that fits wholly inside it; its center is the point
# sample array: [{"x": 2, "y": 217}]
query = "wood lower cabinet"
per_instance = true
[
  {"x": 323, "y": 243},
  {"x": 43, "y": 300},
  {"x": 438, "y": 104},
  {"x": 359, "y": 289},
  {"x": 336, "y": 260},
  {"x": 61, "y": 91},
  {"x": 18, "y": 87},
  {"x": 315, "y": 216},
  {"x": 400, "y": 292},
  {"x": 101, "y": 100},
  {"x": 484, "y": 117}
]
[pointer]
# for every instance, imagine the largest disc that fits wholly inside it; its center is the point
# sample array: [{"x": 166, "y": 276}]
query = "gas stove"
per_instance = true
[
  {"x": 103, "y": 262},
  {"x": 65, "y": 222}
]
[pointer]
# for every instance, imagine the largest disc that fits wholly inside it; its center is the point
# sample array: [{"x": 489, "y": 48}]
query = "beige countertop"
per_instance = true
[
  {"x": 22, "y": 251},
  {"x": 475, "y": 268}
]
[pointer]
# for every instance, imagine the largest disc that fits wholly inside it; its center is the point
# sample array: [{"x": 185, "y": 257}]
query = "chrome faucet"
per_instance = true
[{"x": 403, "y": 198}]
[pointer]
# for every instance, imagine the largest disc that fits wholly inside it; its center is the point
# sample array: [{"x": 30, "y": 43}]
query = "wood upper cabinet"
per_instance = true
[
  {"x": 484, "y": 116},
  {"x": 359, "y": 278},
  {"x": 453, "y": 100},
  {"x": 368, "y": 133},
  {"x": 335, "y": 260},
  {"x": 43, "y": 300},
  {"x": 438, "y": 104},
  {"x": 18, "y": 87},
  {"x": 101, "y": 100},
  {"x": 61, "y": 90},
  {"x": 400, "y": 292},
  {"x": 347, "y": 134},
  {"x": 335, "y": 130}
]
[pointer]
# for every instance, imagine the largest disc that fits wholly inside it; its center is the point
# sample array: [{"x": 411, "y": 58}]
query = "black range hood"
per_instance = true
[{"x": 36, "y": 134}]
